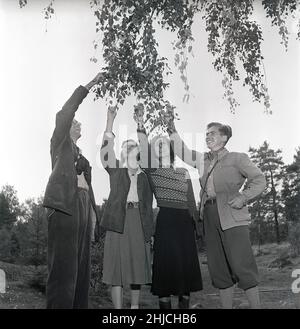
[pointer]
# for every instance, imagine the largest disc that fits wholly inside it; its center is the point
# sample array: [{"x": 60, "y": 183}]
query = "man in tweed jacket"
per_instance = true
[{"x": 223, "y": 211}]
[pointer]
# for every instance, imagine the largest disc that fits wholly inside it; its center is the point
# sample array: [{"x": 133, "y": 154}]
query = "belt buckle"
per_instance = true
[
  {"x": 210, "y": 201},
  {"x": 130, "y": 205}
]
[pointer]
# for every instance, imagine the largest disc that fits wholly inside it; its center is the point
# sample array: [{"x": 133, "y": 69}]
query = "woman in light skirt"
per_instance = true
[{"x": 127, "y": 219}]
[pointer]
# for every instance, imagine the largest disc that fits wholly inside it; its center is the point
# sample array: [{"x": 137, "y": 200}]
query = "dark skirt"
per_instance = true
[{"x": 176, "y": 269}]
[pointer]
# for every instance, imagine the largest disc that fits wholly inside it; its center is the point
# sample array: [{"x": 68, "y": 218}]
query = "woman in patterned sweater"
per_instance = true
[{"x": 176, "y": 269}]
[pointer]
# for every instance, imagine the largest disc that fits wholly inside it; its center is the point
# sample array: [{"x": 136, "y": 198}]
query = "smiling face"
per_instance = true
[
  {"x": 130, "y": 154},
  {"x": 75, "y": 131},
  {"x": 132, "y": 158},
  {"x": 214, "y": 139}
]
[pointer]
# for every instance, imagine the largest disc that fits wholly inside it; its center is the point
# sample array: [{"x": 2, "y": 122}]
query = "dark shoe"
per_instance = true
[
  {"x": 183, "y": 302},
  {"x": 165, "y": 305}
]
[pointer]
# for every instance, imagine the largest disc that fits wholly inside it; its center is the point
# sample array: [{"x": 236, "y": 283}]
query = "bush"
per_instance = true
[
  {"x": 264, "y": 232},
  {"x": 34, "y": 277},
  {"x": 5, "y": 245},
  {"x": 37, "y": 276},
  {"x": 97, "y": 251},
  {"x": 37, "y": 279},
  {"x": 12, "y": 272},
  {"x": 294, "y": 238}
]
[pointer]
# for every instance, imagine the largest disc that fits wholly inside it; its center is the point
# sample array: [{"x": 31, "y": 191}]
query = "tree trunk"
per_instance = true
[
  {"x": 259, "y": 229},
  {"x": 275, "y": 216},
  {"x": 276, "y": 226},
  {"x": 274, "y": 195}
]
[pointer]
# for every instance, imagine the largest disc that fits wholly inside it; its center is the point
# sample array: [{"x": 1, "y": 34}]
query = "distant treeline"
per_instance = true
[{"x": 275, "y": 214}]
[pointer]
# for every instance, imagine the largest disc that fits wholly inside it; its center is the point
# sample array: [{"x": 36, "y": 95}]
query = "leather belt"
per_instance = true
[
  {"x": 210, "y": 201},
  {"x": 132, "y": 204}
]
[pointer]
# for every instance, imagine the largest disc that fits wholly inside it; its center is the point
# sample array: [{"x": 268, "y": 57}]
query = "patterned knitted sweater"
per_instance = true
[{"x": 170, "y": 186}]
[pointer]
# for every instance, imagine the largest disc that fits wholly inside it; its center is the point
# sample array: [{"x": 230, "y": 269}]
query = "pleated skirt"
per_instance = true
[
  {"x": 127, "y": 257},
  {"x": 176, "y": 269}
]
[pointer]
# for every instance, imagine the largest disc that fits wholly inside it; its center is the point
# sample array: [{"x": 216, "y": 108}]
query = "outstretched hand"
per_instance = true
[
  {"x": 169, "y": 118},
  {"x": 111, "y": 114},
  {"x": 138, "y": 115},
  {"x": 100, "y": 76}
]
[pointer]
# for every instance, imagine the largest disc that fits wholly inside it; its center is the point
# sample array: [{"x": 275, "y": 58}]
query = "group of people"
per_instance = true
[{"x": 139, "y": 250}]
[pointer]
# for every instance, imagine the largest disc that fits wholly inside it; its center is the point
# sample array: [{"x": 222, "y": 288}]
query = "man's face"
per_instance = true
[
  {"x": 75, "y": 130},
  {"x": 214, "y": 140}
]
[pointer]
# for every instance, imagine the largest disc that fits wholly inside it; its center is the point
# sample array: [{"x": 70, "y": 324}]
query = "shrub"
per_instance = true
[
  {"x": 294, "y": 238},
  {"x": 12, "y": 272},
  {"x": 97, "y": 287},
  {"x": 5, "y": 245},
  {"x": 37, "y": 278}
]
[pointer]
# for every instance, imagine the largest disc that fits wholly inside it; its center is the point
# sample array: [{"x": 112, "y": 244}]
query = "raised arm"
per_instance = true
[
  {"x": 66, "y": 115},
  {"x": 145, "y": 149},
  {"x": 193, "y": 158},
  {"x": 107, "y": 154}
]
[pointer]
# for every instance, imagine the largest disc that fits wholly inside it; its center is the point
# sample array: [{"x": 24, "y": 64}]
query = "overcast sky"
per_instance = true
[{"x": 40, "y": 70}]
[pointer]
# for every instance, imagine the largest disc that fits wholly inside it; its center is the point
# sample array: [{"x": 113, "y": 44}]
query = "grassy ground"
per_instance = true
[{"x": 275, "y": 288}]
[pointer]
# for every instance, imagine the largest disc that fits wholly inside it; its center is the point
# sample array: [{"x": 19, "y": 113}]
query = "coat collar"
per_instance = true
[
  {"x": 139, "y": 170},
  {"x": 220, "y": 154}
]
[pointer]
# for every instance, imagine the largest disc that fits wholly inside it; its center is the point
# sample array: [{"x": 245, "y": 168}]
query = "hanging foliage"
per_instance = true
[{"x": 133, "y": 65}]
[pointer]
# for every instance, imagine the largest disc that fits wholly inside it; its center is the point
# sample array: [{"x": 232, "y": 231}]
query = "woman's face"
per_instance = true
[
  {"x": 132, "y": 158},
  {"x": 162, "y": 148},
  {"x": 130, "y": 153}
]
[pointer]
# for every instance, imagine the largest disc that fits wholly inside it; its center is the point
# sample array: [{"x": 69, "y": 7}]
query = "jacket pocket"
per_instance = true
[{"x": 240, "y": 215}]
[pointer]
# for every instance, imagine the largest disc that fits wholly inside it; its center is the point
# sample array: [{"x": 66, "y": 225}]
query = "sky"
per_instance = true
[{"x": 42, "y": 63}]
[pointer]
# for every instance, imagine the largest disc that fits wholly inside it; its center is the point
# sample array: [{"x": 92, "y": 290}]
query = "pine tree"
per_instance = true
[
  {"x": 270, "y": 205},
  {"x": 5, "y": 245},
  {"x": 291, "y": 189},
  {"x": 37, "y": 231},
  {"x": 10, "y": 208},
  {"x": 6, "y": 217}
]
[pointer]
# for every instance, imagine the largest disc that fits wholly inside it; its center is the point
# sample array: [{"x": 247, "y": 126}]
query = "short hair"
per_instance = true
[
  {"x": 171, "y": 147},
  {"x": 130, "y": 148},
  {"x": 223, "y": 129}
]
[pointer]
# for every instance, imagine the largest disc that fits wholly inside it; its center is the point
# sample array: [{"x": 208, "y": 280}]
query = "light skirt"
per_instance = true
[{"x": 127, "y": 257}]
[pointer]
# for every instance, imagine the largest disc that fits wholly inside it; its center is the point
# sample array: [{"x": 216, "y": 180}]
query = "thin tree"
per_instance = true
[
  {"x": 291, "y": 190},
  {"x": 271, "y": 164}
]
